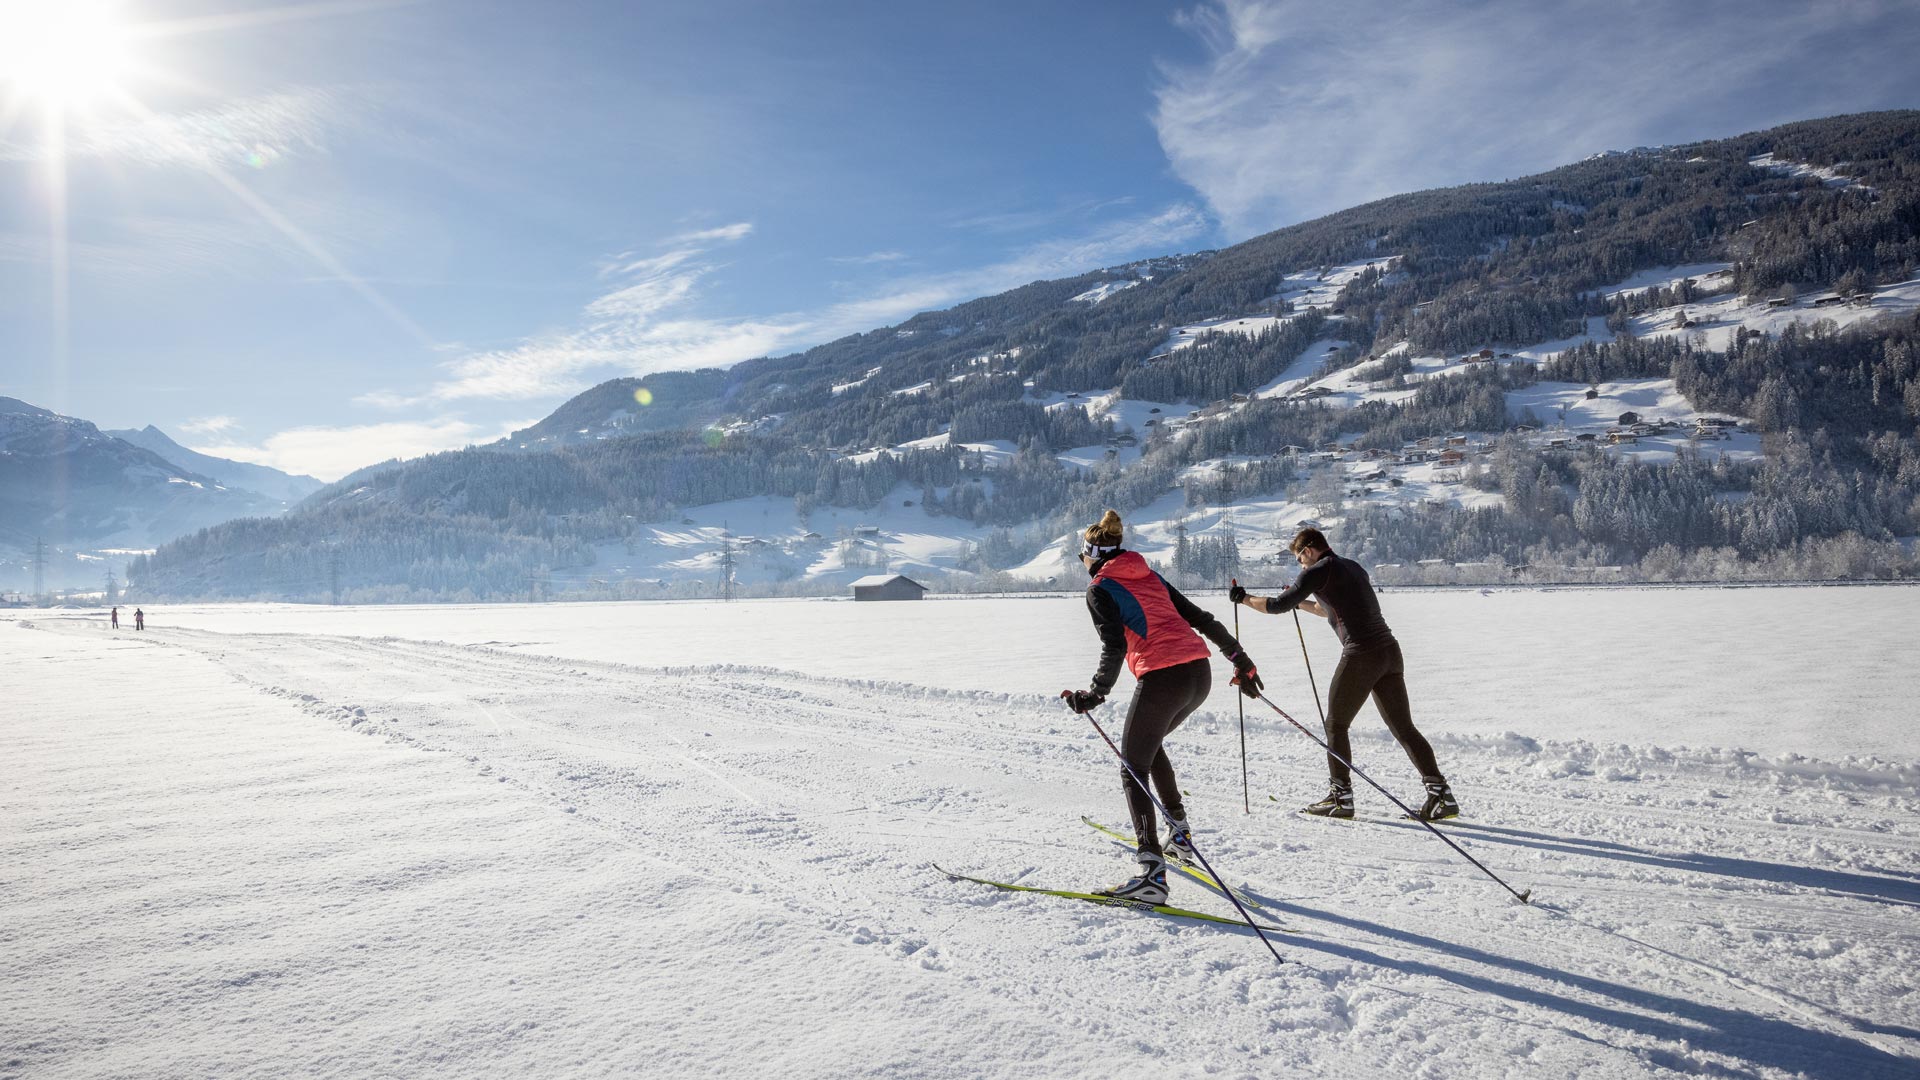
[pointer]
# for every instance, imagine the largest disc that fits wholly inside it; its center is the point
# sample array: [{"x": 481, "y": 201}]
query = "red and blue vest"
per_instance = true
[{"x": 1157, "y": 635}]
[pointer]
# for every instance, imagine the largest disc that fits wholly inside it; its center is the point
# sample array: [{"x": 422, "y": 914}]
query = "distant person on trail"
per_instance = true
[
  {"x": 1370, "y": 663},
  {"x": 1141, "y": 617},
  {"x": 139, "y": 619},
  {"x": 116, "y": 618}
]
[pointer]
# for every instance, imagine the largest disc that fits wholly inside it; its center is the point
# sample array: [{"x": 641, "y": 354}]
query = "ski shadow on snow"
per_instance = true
[
  {"x": 1765, "y": 1043},
  {"x": 1876, "y": 888}
]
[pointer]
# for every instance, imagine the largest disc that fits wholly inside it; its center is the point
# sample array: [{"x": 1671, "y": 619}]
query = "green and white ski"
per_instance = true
[
  {"x": 1112, "y": 901},
  {"x": 1193, "y": 872}
]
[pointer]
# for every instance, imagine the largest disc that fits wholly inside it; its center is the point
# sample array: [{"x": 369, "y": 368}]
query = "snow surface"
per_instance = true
[
  {"x": 1103, "y": 290},
  {"x": 1718, "y": 318},
  {"x": 1828, "y": 175},
  {"x": 694, "y": 839},
  {"x": 1707, "y": 276}
]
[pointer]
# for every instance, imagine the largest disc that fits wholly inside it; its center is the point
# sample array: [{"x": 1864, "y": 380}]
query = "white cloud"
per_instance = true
[
  {"x": 723, "y": 234},
  {"x": 1302, "y": 109},
  {"x": 870, "y": 259},
  {"x": 256, "y": 132},
  {"x": 387, "y": 399},
  {"x": 646, "y": 325},
  {"x": 332, "y": 452},
  {"x": 209, "y": 425}
]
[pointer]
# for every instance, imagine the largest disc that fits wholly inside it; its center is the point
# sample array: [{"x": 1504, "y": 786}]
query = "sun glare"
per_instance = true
[{"x": 62, "y": 53}]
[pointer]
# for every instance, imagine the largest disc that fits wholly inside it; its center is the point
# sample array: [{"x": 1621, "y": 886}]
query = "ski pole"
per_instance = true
[
  {"x": 1309, "y": 660},
  {"x": 1518, "y": 894},
  {"x": 1162, "y": 807},
  {"x": 1240, "y": 700}
]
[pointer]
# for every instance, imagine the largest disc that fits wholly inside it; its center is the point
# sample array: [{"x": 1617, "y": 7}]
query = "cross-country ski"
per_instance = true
[{"x": 1109, "y": 900}]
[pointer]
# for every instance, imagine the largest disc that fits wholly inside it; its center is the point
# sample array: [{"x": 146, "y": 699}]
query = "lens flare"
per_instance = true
[
  {"x": 712, "y": 437},
  {"x": 643, "y": 395}
]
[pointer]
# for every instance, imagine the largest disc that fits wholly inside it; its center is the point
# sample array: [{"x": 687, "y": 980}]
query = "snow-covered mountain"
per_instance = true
[
  {"x": 264, "y": 479},
  {"x": 96, "y": 500},
  {"x": 1683, "y": 361}
]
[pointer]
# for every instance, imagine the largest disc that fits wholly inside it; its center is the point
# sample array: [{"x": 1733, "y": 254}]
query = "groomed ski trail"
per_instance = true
[{"x": 823, "y": 799}]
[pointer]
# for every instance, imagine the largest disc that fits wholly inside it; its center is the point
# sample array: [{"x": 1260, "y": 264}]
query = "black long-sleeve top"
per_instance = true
[{"x": 1343, "y": 586}]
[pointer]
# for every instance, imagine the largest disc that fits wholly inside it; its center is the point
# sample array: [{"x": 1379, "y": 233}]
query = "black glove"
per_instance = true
[
  {"x": 1237, "y": 594},
  {"x": 1245, "y": 675},
  {"x": 1083, "y": 701}
]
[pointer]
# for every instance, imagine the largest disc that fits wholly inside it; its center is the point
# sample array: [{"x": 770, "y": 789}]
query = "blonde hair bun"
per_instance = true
[{"x": 1107, "y": 532}]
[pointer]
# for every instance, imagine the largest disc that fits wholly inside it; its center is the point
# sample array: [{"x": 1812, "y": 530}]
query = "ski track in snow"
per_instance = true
[{"x": 725, "y": 869}]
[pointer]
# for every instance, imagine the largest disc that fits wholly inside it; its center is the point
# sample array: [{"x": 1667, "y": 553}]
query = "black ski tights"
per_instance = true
[
  {"x": 1161, "y": 701},
  {"x": 1381, "y": 672}
]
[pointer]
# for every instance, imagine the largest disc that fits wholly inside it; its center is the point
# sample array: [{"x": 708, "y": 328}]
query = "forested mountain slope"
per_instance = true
[{"x": 1681, "y": 361}]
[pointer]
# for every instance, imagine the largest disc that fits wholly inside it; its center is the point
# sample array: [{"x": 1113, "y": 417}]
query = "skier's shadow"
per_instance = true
[
  {"x": 1874, "y": 887},
  {"x": 1767, "y": 1043}
]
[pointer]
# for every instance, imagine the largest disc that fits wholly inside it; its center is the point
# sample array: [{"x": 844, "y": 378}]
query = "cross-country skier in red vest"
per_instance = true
[{"x": 1143, "y": 618}]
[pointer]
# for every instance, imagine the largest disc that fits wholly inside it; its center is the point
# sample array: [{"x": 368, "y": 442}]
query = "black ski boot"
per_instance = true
[
  {"x": 1179, "y": 846},
  {"x": 1149, "y": 886},
  {"x": 1337, "y": 804},
  {"x": 1440, "y": 802}
]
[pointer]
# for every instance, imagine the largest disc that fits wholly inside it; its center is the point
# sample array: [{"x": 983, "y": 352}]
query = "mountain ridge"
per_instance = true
[{"x": 1385, "y": 325}]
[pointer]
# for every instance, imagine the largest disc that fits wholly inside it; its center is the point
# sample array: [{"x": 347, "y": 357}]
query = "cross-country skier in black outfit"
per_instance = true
[
  {"x": 1141, "y": 617},
  {"x": 1370, "y": 664}
]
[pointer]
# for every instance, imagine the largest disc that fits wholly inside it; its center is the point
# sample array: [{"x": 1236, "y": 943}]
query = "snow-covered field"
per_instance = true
[{"x": 694, "y": 839}]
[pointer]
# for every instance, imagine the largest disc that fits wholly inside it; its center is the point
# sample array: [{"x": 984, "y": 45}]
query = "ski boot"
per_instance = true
[
  {"x": 1179, "y": 845},
  {"x": 1149, "y": 886},
  {"x": 1440, "y": 803},
  {"x": 1337, "y": 804}
]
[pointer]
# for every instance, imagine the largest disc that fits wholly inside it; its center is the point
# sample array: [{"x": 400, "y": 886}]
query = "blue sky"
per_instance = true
[{"x": 322, "y": 234}]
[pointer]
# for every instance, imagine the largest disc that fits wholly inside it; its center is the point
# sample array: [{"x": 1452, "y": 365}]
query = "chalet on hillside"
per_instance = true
[
  {"x": 1627, "y": 418},
  {"x": 887, "y": 587}
]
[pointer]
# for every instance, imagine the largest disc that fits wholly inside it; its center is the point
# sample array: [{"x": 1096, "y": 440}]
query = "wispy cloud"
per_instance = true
[
  {"x": 723, "y": 234},
  {"x": 872, "y": 258},
  {"x": 1031, "y": 220},
  {"x": 137, "y": 249},
  {"x": 1305, "y": 109},
  {"x": 256, "y": 132},
  {"x": 209, "y": 425},
  {"x": 332, "y": 452},
  {"x": 647, "y": 324},
  {"x": 388, "y": 400}
]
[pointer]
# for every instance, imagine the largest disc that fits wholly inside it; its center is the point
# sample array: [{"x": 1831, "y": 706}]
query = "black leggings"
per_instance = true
[
  {"x": 1381, "y": 672},
  {"x": 1161, "y": 701}
]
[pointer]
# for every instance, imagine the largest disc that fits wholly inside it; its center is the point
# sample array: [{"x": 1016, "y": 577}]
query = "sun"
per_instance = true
[{"x": 62, "y": 54}]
